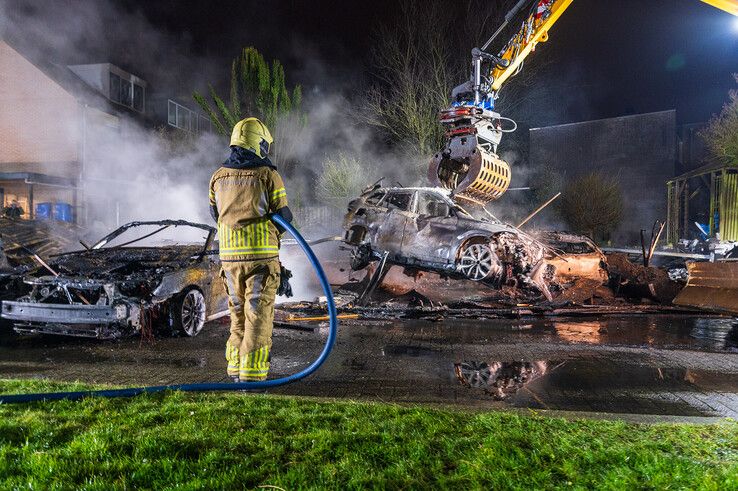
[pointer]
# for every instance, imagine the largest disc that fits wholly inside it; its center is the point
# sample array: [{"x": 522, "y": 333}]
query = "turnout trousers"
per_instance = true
[{"x": 251, "y": 287}]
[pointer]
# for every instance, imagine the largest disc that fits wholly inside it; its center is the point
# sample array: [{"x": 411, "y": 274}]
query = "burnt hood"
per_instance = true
[{"x": 121, "y": 262}]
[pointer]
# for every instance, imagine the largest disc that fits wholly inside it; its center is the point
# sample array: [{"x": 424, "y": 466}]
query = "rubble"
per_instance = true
[
  {"x": 639, "y": 282},
  {"x": 43, "y": 237},
  {"x": 425, "y": 232}
]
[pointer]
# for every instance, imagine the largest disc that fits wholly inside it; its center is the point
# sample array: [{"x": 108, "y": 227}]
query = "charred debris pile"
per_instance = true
[{"x": 588, "y": 282}]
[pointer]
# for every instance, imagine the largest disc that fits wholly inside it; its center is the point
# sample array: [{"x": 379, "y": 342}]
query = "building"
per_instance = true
[
  {"x": 178, "y": 114},
  {"x": 639, "y": 151},
  {"x": 703, "y": 203},
  {"x": 52, "y": 118}
]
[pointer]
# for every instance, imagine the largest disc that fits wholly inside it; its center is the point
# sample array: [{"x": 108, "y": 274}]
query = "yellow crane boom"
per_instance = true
[
  {"x": 730, "y": 6},
  {"x": 468, "y": 164},
  {"x": 533, "y": 31}
]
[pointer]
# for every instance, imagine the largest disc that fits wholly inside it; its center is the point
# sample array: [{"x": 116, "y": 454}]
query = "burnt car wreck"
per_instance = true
[
  {"x": 424, "y": 229},
  {"x": 115, "y": 289}
]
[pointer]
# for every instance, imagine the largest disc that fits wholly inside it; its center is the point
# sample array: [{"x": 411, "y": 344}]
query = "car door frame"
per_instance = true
[
  {"x": 390, "y": 234},
  {"x": 430, "y": 238}
]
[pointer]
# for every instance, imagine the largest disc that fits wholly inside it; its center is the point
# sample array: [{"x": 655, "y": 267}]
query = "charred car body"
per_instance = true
[
  {"x": 422, "y": 228},
  {"x": 22, "y": 243},
  {"x": 109, "y": 291}
]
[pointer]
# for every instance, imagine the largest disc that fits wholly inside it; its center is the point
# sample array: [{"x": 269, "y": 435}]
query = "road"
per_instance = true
[{"x": 649, "y": 365}]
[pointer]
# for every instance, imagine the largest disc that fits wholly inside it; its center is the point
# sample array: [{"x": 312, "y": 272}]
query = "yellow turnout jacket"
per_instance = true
[{"x": 244, "y": 198}]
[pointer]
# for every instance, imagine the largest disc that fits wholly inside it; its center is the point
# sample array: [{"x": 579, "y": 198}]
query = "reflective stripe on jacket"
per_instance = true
[{"x": 244, "y": 198}]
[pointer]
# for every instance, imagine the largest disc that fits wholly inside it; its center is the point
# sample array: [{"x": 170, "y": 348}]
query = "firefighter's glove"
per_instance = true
[{"x": 285, "y": 289}]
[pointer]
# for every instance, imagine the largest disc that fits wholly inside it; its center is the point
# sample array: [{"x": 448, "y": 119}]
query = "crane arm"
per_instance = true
[
  {"x": 730, "y": 6},
  {"x": 534, "y": 30},
  {"x": 468, "y": 165}
]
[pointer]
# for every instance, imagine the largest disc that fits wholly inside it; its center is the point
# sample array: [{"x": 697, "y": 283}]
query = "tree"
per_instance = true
[
  {"x": 592, "y": 204},
  {"x": 174, "y": 142},
  {"x": 721, "y": 134},
  {"x": 260, "y": 90},
  {"x": 417, "y": 60},
  {"x": 411, "y": 63},
  {"x": 342, "y": 179}
]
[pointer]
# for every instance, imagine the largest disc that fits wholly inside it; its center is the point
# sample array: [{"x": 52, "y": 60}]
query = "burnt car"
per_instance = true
[
  {"x": 127, "y": 283},
  {"x": 23, "y": 243},
  {"x": 423, "y": 228}
]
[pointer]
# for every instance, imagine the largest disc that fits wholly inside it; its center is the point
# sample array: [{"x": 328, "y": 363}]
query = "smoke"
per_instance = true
[
  {"x": 130, "y": 171},
  {"x": 336, "y": 133},
  {"x": 135, "y": 173},
  {"x": 337, "y": 125},
  {"x": 70, "y": 32}
]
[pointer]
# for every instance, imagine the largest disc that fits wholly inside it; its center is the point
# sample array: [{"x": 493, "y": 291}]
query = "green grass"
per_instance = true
[{"x": 236, "y": 441}]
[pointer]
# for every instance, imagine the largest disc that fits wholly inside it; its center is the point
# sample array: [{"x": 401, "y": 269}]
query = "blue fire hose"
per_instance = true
[{"x": 204, "y": 387}]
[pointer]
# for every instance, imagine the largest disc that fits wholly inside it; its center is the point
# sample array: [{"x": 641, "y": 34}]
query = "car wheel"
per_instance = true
[
  {"x": 474, "y": 374},
  {"x": 188, "y": 312},
  {"x": 361, "y": 257},
  {"x": 479, "y": 263},
  {"x": 356, "y": 235}
]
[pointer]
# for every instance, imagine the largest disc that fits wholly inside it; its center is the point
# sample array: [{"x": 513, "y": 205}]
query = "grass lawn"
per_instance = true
[{"x": 236, "y": 441}]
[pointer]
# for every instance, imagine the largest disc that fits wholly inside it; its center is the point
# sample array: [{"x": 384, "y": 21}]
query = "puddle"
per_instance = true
[
  {"x": 662, "y": 331},
  {"x": 720, "y": 334},
  {"x": 499, "y": 379},
  {"x": 583, "y": 385}
]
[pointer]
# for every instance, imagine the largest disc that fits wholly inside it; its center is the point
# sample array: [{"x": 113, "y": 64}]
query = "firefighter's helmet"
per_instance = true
[{"x": 252, "y": 134}]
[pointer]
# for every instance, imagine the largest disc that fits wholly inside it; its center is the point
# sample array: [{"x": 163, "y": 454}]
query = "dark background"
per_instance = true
[{"x": 605, "y": 58}]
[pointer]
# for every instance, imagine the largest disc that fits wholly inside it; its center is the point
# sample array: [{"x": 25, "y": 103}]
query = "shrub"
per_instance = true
[{"x": 592, "y": 204}]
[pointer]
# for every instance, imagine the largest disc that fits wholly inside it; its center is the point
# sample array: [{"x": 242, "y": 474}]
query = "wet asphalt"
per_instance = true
[{"x": 665, "y": 365}]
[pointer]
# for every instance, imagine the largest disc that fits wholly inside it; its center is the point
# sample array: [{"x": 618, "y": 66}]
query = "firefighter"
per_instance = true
[{"x": 244, "y": 191}]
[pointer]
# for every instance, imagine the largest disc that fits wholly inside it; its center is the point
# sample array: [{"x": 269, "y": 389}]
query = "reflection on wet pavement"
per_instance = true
[
  {"x": 671, "y": 365},
  {"x": 710, "y": 333},
  {"x": 499, "y": 379}
]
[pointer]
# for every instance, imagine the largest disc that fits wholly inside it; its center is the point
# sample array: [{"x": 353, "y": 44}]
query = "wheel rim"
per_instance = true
[
  {"x": 193, "y": 312},
  {"x": 475, "y": 374},
  {"x": 477, "y": 262}
]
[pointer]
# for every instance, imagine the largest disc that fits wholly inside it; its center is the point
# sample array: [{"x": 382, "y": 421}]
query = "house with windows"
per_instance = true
[
  {"x": 117, "y": 85},
  {"x": 178, "y": 114},
  {"x": 52, "y": 120}
]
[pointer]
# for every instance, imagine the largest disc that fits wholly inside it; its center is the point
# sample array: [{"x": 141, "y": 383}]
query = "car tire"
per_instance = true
[
  {"x": 474, "y": 374},
  {"x": 361, "y": 257},
  {"x": 187, "y": 311},
  {"x": 478, "y": 262},
  {"x": 356, "y": 235}
]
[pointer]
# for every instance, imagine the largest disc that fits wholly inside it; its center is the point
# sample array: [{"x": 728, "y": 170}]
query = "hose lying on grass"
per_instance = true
[{"x": 203, "y": 387}]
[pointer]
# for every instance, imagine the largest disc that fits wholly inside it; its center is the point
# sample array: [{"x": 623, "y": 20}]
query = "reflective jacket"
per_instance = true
[{"x": 241, "y": 199}]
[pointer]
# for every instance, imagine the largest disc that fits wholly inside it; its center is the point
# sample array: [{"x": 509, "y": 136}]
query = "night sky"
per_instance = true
[{"x": 603, "y": 59}]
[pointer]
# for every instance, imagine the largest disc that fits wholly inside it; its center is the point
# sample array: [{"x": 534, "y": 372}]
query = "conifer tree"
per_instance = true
[{"x": 260, "y": 90}]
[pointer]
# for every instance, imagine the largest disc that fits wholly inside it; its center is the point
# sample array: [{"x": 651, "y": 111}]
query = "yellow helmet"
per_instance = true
[{"x": 252, "y": 134}]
